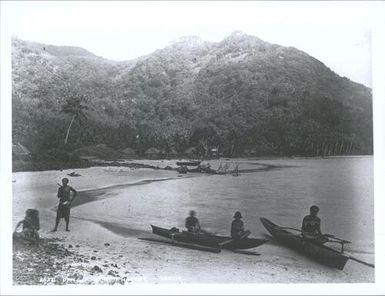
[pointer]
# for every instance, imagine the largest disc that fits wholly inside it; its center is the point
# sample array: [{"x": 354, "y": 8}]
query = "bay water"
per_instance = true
[{"x": 281, "y": 190}]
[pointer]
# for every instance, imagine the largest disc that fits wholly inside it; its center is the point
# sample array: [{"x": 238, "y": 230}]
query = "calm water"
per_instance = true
[
  {"x": 126, "y": 201},
  {"x": 341, "y": 187}
]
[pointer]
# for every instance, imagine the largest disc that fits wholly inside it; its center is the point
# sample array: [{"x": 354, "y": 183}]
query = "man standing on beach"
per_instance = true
[{"x": 63, "y": 210}]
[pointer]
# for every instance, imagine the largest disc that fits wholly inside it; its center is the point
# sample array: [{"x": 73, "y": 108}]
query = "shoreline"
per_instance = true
[
  {"x": 38, "y": 166},
  {"x": 90, "y": 195},
  {"x": 121, "y": 258}
]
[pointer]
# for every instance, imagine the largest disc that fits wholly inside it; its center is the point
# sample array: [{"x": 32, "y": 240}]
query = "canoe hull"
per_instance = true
[
  {"x": 320, "y": 253},
  {"x": 207, "y": 240}
]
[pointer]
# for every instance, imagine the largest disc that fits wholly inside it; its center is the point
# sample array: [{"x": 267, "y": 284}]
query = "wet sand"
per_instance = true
[
  {"x": 106, "y": 241},
  {"x": 90, "y": 195}
]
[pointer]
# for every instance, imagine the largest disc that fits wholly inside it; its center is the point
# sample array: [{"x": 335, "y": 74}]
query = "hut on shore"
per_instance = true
[
  {"x": 172, "y": 154},
  {"x": 250, "y": 152},
  {"x": 86, "y": 159},
  {"x": 129, "y": 152},
  {"x": 153, "y": 153},
  {"x": 213, "y": 152}
]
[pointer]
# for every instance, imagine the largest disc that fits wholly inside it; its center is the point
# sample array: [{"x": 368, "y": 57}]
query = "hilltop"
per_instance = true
[{"x": 241, "y": 93}]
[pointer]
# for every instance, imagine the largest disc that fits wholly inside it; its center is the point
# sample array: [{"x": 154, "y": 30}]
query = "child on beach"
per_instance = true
[{"x": 31, "y": 226}]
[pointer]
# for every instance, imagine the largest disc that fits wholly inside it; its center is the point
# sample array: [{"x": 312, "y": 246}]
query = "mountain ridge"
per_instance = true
[{"x": 238, "y": 93}]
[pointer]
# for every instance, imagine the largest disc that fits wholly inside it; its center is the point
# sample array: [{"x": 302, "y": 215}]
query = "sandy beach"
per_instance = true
[{"x": 100, "y": 249}]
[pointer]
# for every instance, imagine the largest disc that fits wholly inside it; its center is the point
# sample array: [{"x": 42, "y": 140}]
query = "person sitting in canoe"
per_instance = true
[
  {"x": 237, "y": 227},
  {"x": 192, "y": 223},
  {"x": 311, "y": 227}
]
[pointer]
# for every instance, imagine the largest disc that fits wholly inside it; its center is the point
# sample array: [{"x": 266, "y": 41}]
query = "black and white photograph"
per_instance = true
[{"x": 191, "y": 147}]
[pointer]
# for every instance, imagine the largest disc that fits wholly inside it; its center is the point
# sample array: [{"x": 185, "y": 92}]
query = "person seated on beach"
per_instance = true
[
  {"x": 31, "y": 226},
  {"x": 192, "y": 223},
  {"x": 311, "y": 227},
  {"x": 237, "y": 227},
  {"x": 63, "y": 210}
]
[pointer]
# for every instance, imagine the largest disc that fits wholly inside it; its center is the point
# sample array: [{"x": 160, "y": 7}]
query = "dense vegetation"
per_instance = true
[{"x": 241, "y": 94}]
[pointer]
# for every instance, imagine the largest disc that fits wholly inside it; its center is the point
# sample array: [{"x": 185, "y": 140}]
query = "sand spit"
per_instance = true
[{"x": 97, "y": 251}]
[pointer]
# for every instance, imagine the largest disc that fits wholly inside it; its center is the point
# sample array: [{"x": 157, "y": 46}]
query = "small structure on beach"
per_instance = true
[
  {"x": 190, "y": 152},
  {"x": 20, "y": 152},
  {"x": 172, "y": 154},
  {"x": 250, "y": 152},
  {"x": 213, "y": 152},
  {"x": 87, "y": 158},
  {"x": 129, "y": 152},
  {"x": 153, "y": 153}
]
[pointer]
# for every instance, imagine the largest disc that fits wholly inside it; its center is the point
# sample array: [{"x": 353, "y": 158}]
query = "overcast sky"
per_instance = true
[{"x": 338, "y": 34}]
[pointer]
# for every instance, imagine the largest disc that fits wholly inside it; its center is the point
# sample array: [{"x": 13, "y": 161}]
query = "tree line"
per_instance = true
[{"x": 260, "y": 104}]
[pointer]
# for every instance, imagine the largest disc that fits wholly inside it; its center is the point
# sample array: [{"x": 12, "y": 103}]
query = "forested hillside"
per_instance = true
[{"x": 240, "y": 94}]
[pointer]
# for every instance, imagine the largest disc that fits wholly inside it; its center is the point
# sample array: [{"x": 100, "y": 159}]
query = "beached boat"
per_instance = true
[
  {"x": 189, "y": 163},
  {"x": 320, "y": 253},
  {"x": 212, "y": 241}
]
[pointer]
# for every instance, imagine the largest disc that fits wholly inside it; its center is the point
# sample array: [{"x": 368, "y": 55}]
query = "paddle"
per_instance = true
[
  {"x": 342, "y": 242},
  {"x": 360, "y": 261}
]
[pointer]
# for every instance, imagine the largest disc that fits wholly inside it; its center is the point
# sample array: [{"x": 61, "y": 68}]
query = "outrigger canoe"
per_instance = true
[
  {"x": 203, "y": 239},
  {"x": 318, "y": 252}
]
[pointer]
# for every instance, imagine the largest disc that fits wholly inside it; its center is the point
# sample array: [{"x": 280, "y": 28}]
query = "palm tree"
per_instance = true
[{"x": 74, "y": 105}]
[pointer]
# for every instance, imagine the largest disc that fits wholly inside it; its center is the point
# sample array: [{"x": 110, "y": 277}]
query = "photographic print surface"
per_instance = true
[{"x": 191, "y": 143}]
